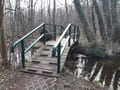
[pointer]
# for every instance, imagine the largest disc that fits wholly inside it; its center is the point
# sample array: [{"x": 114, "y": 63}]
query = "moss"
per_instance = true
[
  {"x": 65, "y": 69},
  {"x": 92, "y": 50},
  {"x": 98, "y": 51}
]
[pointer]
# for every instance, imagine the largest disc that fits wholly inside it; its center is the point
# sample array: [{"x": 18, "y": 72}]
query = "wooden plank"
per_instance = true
[
  {"x": 43, "y": 55},
  {"x": 36, "y": 61},
  {"x": 49, "y": 45},
  {"x": 47, "y": 58},
  {"x": 46, "y": 49},
  {"x": 40, "y": 73},
  {"x": 43, "y": 63},
  {"x": 53, "y": 63},
  {"x": 47, "y": 67},
  {"x": 47, "y": 72},
  {"x": 31, "y": 70},
  {"x": 64, "y": 56}
]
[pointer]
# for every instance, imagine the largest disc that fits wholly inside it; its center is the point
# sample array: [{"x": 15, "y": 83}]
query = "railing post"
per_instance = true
[
  {"x": 61, "y": 30},
  {"x": 74, "y": 34},
  {"x": 69, "y": 42},
  {"x": 54, "y": 32},
  {"x": 22, "y": 54},
  {"x": 58, "y": 58},
  {"x": 78, "y": 33},
  {"x": 44, "y": 42}
]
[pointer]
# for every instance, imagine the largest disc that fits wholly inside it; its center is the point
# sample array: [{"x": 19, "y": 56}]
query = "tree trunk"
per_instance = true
[
  {"x": 17, "y": 18},
  {"x": 2, "y": 36},
  {"x": 93, "y": 20},
  {"x": 54, "y": 11},
  {"x": 86, "y": 28},
  {"x": 107, "y": 17},
  {"x": 114, "y": 12},
  {"x": 49, "y": 12},
  {"x": 66, "y": 8},
  {"x": 31, "y": 14},
  {"x": 100, "y": 21}
]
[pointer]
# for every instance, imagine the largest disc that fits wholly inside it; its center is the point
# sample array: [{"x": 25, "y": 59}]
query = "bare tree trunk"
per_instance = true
[
  {"x": 67, "y": 15},
  {"x": 41, "y": 10},
  {"x": 31, "y": 14},
  {"x": 17, "y": 16},
  {"x": 115, "y": 22},
  {"x": 114, "y": 12},
  {"x": 2, "y": 36},
  {"x": 106, "y": 9},
  {"x": 86, "y": 28},
  {"x": 54, "y": 11},
  {"x": 49, "y": 13},
  {"x": 93, "y": 20},
  {"x": 100, "y": 20}
]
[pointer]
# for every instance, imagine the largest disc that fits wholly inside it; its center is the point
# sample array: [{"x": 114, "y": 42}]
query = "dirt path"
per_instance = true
[{"x": 22, "y": 81}]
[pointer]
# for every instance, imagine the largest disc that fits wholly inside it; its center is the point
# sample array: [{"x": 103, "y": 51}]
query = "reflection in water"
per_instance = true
[{"x": 106, "y": 72}]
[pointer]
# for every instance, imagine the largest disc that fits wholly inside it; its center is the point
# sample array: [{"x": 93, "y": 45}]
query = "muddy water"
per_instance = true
[{"x": 104, "y": 72}]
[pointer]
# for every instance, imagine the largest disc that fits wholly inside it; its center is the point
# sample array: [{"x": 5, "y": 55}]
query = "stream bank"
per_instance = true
[{"x": 105, "y": 72}]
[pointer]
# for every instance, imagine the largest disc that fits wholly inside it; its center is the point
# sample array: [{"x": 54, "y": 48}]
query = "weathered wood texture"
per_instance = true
[{"x": 43, "y": 63}]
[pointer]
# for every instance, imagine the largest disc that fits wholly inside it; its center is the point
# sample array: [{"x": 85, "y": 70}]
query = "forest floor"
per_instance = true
[{"x": 10, "y": 80}]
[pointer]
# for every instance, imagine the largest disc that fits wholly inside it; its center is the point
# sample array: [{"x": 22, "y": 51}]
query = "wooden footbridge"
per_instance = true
[{"x": 50, "y": 57}]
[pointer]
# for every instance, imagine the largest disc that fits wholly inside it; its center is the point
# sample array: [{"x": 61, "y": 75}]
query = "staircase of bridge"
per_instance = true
[{"x": 50, "y": 57}]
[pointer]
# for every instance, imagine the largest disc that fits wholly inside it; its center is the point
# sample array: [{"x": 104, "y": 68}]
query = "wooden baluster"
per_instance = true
[
  {"x": 44, "y": 41},
  {"x": 74, "y": 34},
  {"x": 61, "y": 30},
  {"x": 58, "y": 58},
  {"x": 22, "y": 54},
  {"x": 69, "y": 42},
  {"x": 78, "y": 33},
  {"x": 54, "y": 32}
]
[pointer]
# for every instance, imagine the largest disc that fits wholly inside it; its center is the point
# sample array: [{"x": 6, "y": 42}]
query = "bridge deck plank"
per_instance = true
[{"x": 43, "y": 63}]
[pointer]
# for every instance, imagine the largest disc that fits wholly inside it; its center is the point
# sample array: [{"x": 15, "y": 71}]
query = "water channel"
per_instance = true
[{"x": 105, "y": 72}]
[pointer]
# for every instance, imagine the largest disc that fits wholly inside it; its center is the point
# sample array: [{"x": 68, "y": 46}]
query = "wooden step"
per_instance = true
[
  {"x": 36, "y": 61},
  {"x": 50, "y": 45},
  {"x": 45, "y": 66},
  {"x": 47, "y": 72},
  {"x": 47, "y": 59},
  {"x": 44, "y": 73},
  {"x": 53, "y": 63},
  {"x": 46, "y": 49},
  {"x": 44, "y": 55},
  {"x": 31, "y": 70}
]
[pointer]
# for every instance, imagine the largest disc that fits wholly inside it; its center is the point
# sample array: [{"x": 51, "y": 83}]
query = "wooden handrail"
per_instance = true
[
  {"x": 41, "y": 36},
  {"x": 62, "y": 36},
  {"x": 21, "y": 41},
  {"x": 57, "y": 47},
  {"x": 24, "y": 37}
]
